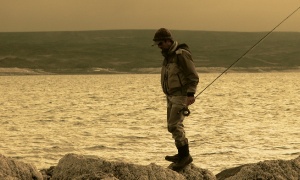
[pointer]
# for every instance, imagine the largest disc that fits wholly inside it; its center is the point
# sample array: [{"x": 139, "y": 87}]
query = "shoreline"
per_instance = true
[{"x": 95, "y": 71}]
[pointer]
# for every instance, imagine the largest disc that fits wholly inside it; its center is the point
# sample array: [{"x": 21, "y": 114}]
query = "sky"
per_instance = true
[{"x": 204, "y": 15}]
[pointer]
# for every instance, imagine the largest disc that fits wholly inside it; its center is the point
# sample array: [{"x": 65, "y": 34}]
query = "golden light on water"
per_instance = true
[{"x": 242, "y": 118}]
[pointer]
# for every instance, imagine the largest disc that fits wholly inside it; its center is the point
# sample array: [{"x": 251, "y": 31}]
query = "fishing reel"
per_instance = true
[{"x": 185, "y": 111}]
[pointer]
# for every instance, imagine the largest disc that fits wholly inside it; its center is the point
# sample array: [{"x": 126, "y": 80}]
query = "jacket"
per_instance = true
[{"x": 178, "y": 73}]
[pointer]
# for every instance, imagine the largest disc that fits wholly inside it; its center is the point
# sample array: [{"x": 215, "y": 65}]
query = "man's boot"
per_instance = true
[
  {"x": 184, "y": 158},
  {"x": 173, "y": 159}
]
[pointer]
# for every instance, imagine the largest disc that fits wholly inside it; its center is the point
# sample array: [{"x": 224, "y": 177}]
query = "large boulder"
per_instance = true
[
  {"x": 73, "y": 166},
  {"x": 271, "y": 169},
  {"x": 11, "y": 169}
]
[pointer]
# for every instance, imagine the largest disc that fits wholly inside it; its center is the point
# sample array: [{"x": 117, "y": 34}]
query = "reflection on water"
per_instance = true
[{"x": 241, "y": 118}]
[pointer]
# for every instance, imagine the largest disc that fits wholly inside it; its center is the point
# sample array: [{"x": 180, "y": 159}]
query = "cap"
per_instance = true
[{"x": 161, "y": 35}]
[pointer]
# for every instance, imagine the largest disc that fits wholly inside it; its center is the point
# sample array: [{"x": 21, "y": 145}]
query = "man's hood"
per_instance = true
[
  {"x": 175, "y": 46},
  {"x": 183, "y": 46}
]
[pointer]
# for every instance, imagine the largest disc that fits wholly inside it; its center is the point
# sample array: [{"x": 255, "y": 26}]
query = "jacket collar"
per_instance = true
[
  {"x": 171, "y": 50},
  {"x": 173, "y": 47}
]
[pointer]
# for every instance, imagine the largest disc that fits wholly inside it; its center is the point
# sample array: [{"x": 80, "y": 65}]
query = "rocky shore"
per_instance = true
[{"x": 74, "y": 166}]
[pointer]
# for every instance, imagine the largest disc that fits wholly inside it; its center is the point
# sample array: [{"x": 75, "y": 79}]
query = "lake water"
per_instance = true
[{"x": 242, "y": 118}]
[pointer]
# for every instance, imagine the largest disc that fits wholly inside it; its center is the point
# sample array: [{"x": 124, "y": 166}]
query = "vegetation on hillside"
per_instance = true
[{"x": 128, "y": 50}]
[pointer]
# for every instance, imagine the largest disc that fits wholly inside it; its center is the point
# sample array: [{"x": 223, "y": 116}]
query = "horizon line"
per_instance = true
[{"x": 130, "y": 29}]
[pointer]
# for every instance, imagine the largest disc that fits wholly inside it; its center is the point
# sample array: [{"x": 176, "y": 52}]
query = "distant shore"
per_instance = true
[
  {"x": 25, "y": 71},
  {"x": 130, "y": 52}
]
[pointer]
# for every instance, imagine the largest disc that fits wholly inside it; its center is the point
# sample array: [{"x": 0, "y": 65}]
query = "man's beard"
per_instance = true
[{"x": 164, "y": 52}]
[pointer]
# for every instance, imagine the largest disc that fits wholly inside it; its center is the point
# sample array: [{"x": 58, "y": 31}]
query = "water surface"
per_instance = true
[{"x": 242, "y": 118}]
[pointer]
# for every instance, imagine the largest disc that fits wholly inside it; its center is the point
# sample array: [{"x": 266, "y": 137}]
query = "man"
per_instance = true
[{"x": 179, "y": 81}]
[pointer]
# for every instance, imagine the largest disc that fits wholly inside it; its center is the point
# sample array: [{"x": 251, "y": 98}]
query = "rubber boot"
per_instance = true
[
  {"x": 184, "y": 158},
  {"x": 173, "y": 159}
]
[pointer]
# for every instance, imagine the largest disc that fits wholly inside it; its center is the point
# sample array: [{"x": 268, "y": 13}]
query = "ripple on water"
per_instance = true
[{"x": 242, "y": 119}]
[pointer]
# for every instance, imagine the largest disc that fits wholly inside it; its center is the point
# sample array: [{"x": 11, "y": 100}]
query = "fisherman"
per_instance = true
[{"x": 179, "y": 81}]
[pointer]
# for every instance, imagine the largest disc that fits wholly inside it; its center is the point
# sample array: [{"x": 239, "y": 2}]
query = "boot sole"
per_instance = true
[
  {"x": 170, "y": 159},
  {"x": 179, "y": 168}
]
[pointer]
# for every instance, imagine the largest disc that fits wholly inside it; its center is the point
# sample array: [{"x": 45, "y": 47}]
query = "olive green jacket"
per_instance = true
[{"x": 178, "y": 73}]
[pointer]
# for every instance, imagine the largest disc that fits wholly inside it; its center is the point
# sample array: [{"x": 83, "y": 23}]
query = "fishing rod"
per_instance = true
[
  {"x": 186, "y": 112},
  {"x": 243, "y": 55}
]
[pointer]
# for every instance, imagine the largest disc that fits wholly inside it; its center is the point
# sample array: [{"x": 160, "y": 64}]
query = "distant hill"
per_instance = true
[{"x": 130, "y": 51}]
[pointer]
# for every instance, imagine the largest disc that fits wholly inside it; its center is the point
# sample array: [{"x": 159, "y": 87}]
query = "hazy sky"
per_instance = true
[{"x": 216, "y": 15}]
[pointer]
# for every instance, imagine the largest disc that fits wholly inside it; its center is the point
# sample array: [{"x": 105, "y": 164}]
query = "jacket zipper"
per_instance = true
[
  {"x": 180, "y": 82},
  {"x": 166, "y": 82}
]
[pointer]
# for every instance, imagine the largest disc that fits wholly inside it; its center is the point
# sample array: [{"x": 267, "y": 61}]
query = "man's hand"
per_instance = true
[{"x": 190, "y": 100}]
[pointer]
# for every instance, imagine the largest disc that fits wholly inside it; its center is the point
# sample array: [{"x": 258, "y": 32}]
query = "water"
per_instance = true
[{"x": 242, "y": 118}]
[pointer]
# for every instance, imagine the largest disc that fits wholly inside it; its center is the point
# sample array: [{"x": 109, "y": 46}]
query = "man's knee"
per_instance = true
[
  {"x": 176, "y": 129},
  {"x": 172, "y": 128}
]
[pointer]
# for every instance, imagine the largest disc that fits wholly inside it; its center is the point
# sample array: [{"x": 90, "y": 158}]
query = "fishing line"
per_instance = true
[
  {"x": 264, "y": 37},
  {"x": 185, "y": 110}
]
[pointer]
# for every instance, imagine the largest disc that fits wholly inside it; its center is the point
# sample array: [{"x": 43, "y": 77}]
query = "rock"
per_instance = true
[
  {"x": 47, "y": 173},
  {"x": 194, "y": 172},
  {"x": 13, "y": 169},
  {"x": 272, "y": 169},
  {"x": 78, "y": 167},
  {"x": 73, "y": 166}
]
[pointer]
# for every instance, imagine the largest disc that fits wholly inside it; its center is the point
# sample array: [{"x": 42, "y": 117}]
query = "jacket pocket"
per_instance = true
[
  {"x": 174, "y": 80},
  {"x": 180, "y": 82}
]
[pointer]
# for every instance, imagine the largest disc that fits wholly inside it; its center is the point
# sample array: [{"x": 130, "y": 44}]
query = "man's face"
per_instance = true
[{"x": 164, "y": 45}]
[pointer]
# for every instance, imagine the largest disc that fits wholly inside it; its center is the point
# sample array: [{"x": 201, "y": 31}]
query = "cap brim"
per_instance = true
[{"x": 156, "y": 43}]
